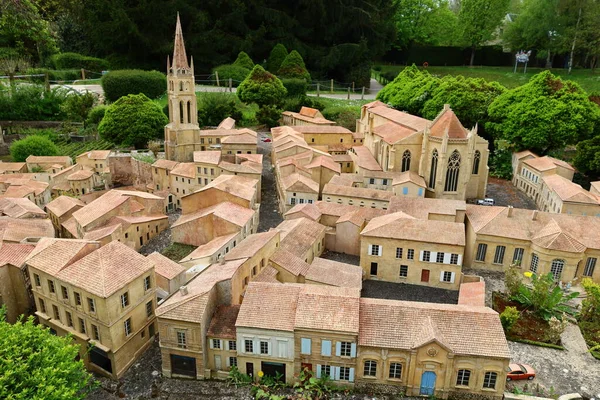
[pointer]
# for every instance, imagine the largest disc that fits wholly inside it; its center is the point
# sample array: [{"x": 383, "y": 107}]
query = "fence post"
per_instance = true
[
  {"x": 230, "y": 85},
  {"x": 83, "y": 74},
  {"x": 47, "y": 81},
  {"x": 217, "y": 76},
  {"x": 348, "y": 92},
  {"x": 332, "y": 86},
  {"x": 318, "y": 89},
  {"x": 352, "y": 87},
  {"x": 362, "y": 95}
]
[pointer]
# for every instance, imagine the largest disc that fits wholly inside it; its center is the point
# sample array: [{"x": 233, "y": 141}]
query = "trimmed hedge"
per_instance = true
[
  {"x": 534, "y": 343},
  {"x": 54, "y": 75},
  {"x": 295, "y": 87},
  {"x": 293, "y": 67},
  {"x": 244, "y": 60},
  {"x": 235, "y": 72},
  {"x": 74, "y": 60},
  {"x": 117, "y": 84}
]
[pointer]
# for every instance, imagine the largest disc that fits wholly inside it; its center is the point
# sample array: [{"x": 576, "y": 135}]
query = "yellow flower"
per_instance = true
[
  {"x": 261, "y": 374},
  {"x": 528, "y": 274}
]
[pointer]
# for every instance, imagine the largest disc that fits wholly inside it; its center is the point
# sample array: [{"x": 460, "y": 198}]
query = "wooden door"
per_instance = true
[{"x": 424, "y": 275}]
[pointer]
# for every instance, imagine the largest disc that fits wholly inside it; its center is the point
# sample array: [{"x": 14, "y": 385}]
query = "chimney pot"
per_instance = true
[
  {"x": 534, "y": 215},
  {"x": 183, "y": 290},
  {"x": 510, "y": 211}
]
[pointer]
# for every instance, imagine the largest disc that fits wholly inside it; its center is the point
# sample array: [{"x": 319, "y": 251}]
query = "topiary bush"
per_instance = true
[
  {"x": 295, "y": 87},
  {"x": 53, "y": 75},
  {"x": 235, "y": 72},
  {"x": 96, "y": 114},
  {"x": 120, "y": 83},
  {"x": 276, "y": 57},
  {"x": 296, "y": 103},
  {"x": 261, "y": 87},
  {"x": 32, "y": 103},
  {"x": 509, "y": 318},
  {"x": 244, "y": 60},
  {"x": 215, "y": 107},
  {"x": 269, "y": 115},
  {"x": 33, "y": 145},
  {"x": 293, "y": 67},
  {"x": 133, "y": 120},
  {"x": 74, "y": 60}
]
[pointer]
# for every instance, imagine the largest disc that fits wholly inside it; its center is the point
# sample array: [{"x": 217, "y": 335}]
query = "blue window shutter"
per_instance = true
[
  {"x": 318, "y": 371},
  {"x": 405, "y": 190},
  {"x": 338, "y": 348},
  {"x": 420, "y": 192},
  {"x": 337, "y": 373},
  {"x": 306, "y": 346},
  {"x": 353, "y": 350},
  {"x": 351, "y": 379},
  {"x": 326, "y": 347}
]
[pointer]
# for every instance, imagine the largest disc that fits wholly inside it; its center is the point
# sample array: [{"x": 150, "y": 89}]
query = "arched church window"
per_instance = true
[
  {"x": 433, "y": 172},
  {"x": 476, "y": 160},
  {"x": 181, "y": 112},
  {"x": 405, "y": 161},
  {"x": 452, "y": 172}
]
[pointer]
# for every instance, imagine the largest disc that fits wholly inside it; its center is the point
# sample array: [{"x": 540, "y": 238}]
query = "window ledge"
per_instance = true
[
  {"x": 488, "y": 390},
  {"x": 462, "y": 387},
  {"x": 369, "y": 377}
]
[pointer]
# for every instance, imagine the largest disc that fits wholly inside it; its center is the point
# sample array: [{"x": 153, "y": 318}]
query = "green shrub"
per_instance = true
[
  {"x": 243, "y": 60},
  {"x": 347, "y": 119},
  {"x": 74, "y": 60},
  {"x": 501, "y": 164},
  {"x": 32, "y": 103},
  {"x": 133, "y": 120},
  {"x": 120, "y": 83},
  {"x": 269, "y": 115},
  {"x": 234, "y": 72},
  {"x": 261, "y": 87},
  {"x": 360, "y": 74},
  {"x": 296, "y": 103},
  {"x": 276, "y": 57},
  {"x": 34, "y": 145},
  {"x": 295, "y": 87},
  {"x": 545, "y": 297},
  {"x": 512, "y": 281},
  {"x": 78, "y": 105},
  {"x": 96, "y": 114},
  {"x": 334, "y": 112},
  {"x": 215, "y": 107},
  {"x": 509, "y": 318},
  {"x": 49, "y": 133},
  {"x": 293, "y": 67},
  {"x": 54, "y": 75}
]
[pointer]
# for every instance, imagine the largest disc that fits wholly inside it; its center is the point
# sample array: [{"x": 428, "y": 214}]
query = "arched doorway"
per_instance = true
[{"x": 427, "y": 383}]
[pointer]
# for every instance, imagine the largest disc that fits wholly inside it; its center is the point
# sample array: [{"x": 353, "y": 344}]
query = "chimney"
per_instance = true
[
  {"x": 183, "y": 290},
  {"x": 510, "y": 211},
  {"x": 534, "y": 215},
  {"x": 222, "y": 260}
]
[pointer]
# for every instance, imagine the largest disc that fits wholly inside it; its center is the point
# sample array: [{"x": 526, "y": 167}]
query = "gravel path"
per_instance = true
[
  {"x": 506, "y": 194},
  {"x": 163, "y": 239},
  {"x": 269, "y": 216},
  {"x": 569, "y": 371},
  {"x": 341, "y": 257},
  {"x": 403, "y": 291}
]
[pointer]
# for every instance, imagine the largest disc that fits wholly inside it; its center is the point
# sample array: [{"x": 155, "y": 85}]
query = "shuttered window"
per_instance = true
[
  {"x": 481, "y": 250},
  {"x": 499, "y": 256}
]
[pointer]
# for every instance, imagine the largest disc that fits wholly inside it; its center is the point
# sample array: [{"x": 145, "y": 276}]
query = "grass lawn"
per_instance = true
[
  {"x": 177, "y": 251},
  {"x": 590, "y": 81}
]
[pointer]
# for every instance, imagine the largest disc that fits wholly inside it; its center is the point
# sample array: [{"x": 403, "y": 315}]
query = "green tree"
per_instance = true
[
  {"x": 587, "y": 157},
  {"x": 276, "y": 57},
  {"x": 509, "y": 318},
  {"x": 133, "y": 120},
  {"x": 77, "y": 106},
  {"x": 261, "y": 87},
  {"x": 22, "y": 27},
  {"x": 545, "y": 297},
  {"x": 33, "y": 145},
  {"x": 293, "y": 67},
  {"x": 244, "y": 60},
  {"x": 429, "y": 22},
  {"x": 36, "y": 365},
  {"x": 120, "y": 83},
  {"x": 545, "y": 114},
  {"x": 468, "y": 97},
  {"x": 478, "y": 21}
]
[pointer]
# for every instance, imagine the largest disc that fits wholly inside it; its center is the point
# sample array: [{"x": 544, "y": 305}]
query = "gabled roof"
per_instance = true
[
  {"x": 324, "y": 161},
  {"x": 165, "y": 164},
  {"x": 299, "y": 235},
  {"x": 420, "y": 207},
  {"x": 226, "y": 211},
  {"x": 96, "y": 154},
  {"x": 17, "y": 229},
  {"x": 447, "y": 123},
  {"x": 207, "y": 157},
  {"x": 290, "y": 262},
  {"x": 222, "y": 324},
  {"x": 165, "y": 267},
  {"x": 570, "y": 191},
  {"x": 409, "y": 176},
  {"x": 49, "y": 160},
  {"x": 251, "y": 245},
  {"x": 269, "y": 306},
  {"x": 399, "y": 117},
  {"x": 243, "y": 138},
  {"x": 187, "y": 170},
  {"x": 465, "y": 330},
  {"x": 52, "y": 255},
  {"x": 310, "y": 211},
  {"x": 365, "y": 159},
  {"x": 12, "y": 166},
  {"x": 239, "y": 186},
  {"x": 107, "y": 270},
  {"x": 334, "y": 273},
  {"x": 80, "y": 175},
  {"x": 392, "y": 133},
  {"x": 357, "y": 192},
  {"x": 18, "y": 207},
  {"x": 299, "y": 183},
  {"x": 14, "y": 253},
  {"x": 63, "y": 204},
  {"x": 209, "y": 248}
]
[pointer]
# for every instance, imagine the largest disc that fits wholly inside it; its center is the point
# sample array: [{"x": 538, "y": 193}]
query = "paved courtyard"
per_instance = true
[
  {"x": 506, "y": 194},
  {"x": 403, "y": 291}
]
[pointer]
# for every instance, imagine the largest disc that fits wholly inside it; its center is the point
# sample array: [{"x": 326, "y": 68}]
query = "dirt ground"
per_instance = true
[
  {"x": 269, "y": 207},
  {"x": 506, "y": 194}
]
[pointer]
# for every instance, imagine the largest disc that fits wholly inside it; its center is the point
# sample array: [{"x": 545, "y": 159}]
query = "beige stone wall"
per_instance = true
[
  {"x": 329, "y": 139},
  {"x": 388, "y": 266},
  {"x": 409, "y": 189},
  {"x": 238, "y": 148},
  {"x": 161, "y": 179},
  {"x": 345, "y": 238},
  {"x": 14, "y": 292},
  {"x": 356, "y": 201},
  {"x": 220, "y": 355},
  {"x": 83, "y": 186},
  {"x": 209, "y": 197}
]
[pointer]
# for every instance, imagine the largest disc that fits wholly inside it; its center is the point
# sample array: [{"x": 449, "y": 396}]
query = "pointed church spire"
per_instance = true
[{"x": 179, "y": 56}]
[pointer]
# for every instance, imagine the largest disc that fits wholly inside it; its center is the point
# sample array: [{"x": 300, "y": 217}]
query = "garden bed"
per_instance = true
[
  {"x": 591, "y": 334},
  {"x": 529, "y": 328}
]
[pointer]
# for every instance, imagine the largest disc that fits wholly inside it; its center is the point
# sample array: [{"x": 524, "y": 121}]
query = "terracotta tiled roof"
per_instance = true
[
  {"x": 187, "y": 170},
  {"x": 227, "y": 211},
  {"x": 98, "y": 154},
  {"x": 405, "y": 227},
  {"x": 423, "y": 207},
  {"x": 333, "y": 273},
  {"x": 299, "y": 183},
  {"x": 14, "y": 253},
  {"x": 392, "y": 133},
  {"x": 209, "y": 248},
  {"x": 179, "y": 57},
  {"x": 80, "y": 175},
  {"x": 63, "y": 204},
  {"x": 540, "y": 163},
  {"x": 239, "y": 186},
  {"x": 244, "y": 138},
  {"x": 227, "y": 123},
  {"x": 574, "y": 229},
  {"x": 405, "y": 325},
  {"x": 71, "y": 226},
  {"x": 290, "y": 262},
  {"x": 328, "y": 308},
  {"x": 299, "y": 235},
  {"x": 324, "y": 161},
  {"x": 62, "y": 160},
  {"x": 165, "y": 164},
  {"x": 447, "y": 123},
  {"x": 107, "y": 270},
  {"x": 309, "y": 112},
  {"x": 310, "y": 211},
  {"x": 99, "y": 207},
  {"x": 357, "y": 192},
  {"x": 222, "y": 324},
  {"x": 365, "y": 159},
  {"x": 207, "y": 157},
  {"x": 52, "y": 255},
  {"x": 18, "y": 207},
  {"x": 375, "y": 103},
  {"x": 409, "y": 176},
  {"x": 246, "y": 167},
  {"x": 104, "y": 231},
  {"x": 256, "y": 158},
  {"x": 251, "y": 245},
  {"x": 472, "y": 294},
  {"x": 346, "y": 179},
  {"x": 524, "y": 153},
  {"x": 164, "y": 266},
  {"x": 569, "y": 191},
  {"x": 399, "y": 117},
  {"x": 267, "y": 274},
  {"x": 11, "y": 166},
  {"x": 15, "y": 230},
  {"x": 320, "y": 129},
  {"x": 341, "y": 158},
  {"x": 269, "y": 306}
]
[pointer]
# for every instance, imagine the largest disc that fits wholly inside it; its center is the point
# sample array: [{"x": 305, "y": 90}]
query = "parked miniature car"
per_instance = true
[
  {"x": 519, "y": 372},
  {"x": 267, "y": 140},
  {"x": 486, "y": 202}
]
